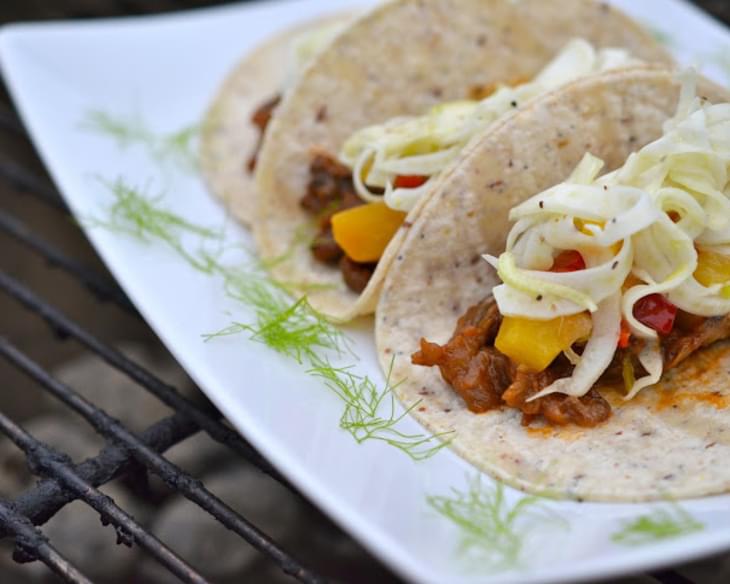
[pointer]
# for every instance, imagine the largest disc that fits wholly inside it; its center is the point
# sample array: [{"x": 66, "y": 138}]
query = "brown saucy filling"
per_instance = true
[
  {"x": 486, "y": 379},
  {"x": 329, "y": 191},
  {"x": 261, "y": 118}
]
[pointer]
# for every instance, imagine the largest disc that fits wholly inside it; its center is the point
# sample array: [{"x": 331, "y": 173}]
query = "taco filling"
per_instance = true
[
  {"x": 605, "y": 280},
  {"x": 361, "y": 199}
]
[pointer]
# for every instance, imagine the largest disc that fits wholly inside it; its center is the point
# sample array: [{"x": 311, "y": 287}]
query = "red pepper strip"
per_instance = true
[
  {"x": 409, "y": 181},
  {"x": 568, "y": 261},
  {"x": 656, "y": 312},
  {"x": 625, "y": 335}
]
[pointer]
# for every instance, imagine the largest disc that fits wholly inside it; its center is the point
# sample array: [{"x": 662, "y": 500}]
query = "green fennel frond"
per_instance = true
[
  {"x": 665, "y": 523},
  {"x": 371, "y": 412},
  {"x": 135, "y": 213},
  {"x": 490, "y": 527},
  {"x": 177, "y": 148},
  {"x": 290, "y": 327},
  {"x": 659, "y": 35},
  {"x": 124, "y": 131}
]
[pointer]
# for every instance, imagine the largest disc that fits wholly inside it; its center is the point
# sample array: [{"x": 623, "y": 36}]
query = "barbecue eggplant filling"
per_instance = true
[
  {"x": 390, "y": 167},
  {"x": 605, "y": 280},
  {"x": 261, "y": 119}
]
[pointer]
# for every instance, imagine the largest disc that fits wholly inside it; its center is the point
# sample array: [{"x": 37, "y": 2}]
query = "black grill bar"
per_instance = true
[
  {"x": 189, "y": 487},
  {"x": 25, "y": 182},
  {"x": 102, "y": 288},
  {"x": 166, "y": 393},
  {"x": 47, "y": 497},
  {"x": 31, "y": 544},
  {"x": 670, "y": 577},
  {"x": 9, "y": 121},
  {"x": 45, "y": 461}
]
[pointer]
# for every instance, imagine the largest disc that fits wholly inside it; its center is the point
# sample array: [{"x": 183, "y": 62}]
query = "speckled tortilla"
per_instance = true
[
  {"x": 648, "y": 449},
  {"x": 228, "y": 138},
  {"x": 401, "y": 59}
]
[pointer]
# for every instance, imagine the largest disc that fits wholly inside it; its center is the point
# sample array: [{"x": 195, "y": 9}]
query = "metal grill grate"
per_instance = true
[
  {"x": 125, "y": 454},
  {"x": 64, "y": 482}
]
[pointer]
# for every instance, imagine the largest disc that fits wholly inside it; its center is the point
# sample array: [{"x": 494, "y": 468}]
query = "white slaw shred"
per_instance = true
[
  {"x": 424, "y": 146},
  {"x": 685, "y": 172}
]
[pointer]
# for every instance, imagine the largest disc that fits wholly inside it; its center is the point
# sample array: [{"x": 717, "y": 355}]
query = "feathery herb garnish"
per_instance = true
[
  {"x": 665, "y": 523},
  {"x": 363, "y": 402},
  {"x": 659, "y": 35},
  {"x": 142, "y": 216},
  {"x": 291, "y": 327},
  {"x": 177, "y": 148},
  {"x": 492, "y": 529}
]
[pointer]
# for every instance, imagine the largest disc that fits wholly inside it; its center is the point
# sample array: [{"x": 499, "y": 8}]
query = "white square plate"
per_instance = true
[{"x": 165, "y": 69}]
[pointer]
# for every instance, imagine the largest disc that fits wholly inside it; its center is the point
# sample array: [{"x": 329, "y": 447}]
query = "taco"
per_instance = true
[
  {"x": 236, "y": 120},
  {"x": 590, "y": 363},
  {"x": 362, "y": 139}
]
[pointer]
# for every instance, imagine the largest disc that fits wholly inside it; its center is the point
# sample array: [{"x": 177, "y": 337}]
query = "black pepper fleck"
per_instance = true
[
  {"x": 539, "y": 297},
  {"x": 615, "y": 265},
  {"x": 513, "y": 104},
  {"x": 542, "y": 204}
]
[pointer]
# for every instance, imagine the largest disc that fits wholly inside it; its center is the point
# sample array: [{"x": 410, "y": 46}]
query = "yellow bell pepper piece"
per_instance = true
[
  {"x": 581, "y": 225},
  {"x": 713, "y": 268},
  {"x": 536, "y": 343},
  {"x": 364, "y": 232}
]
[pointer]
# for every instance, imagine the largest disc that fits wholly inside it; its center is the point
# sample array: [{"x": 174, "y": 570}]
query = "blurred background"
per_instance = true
[{"x": 219, "y": 555}]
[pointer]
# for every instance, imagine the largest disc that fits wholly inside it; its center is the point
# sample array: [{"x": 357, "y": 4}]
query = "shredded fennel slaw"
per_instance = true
[
  {"x": 424, "y": 146},
  {"x": 620, "y": 224}
]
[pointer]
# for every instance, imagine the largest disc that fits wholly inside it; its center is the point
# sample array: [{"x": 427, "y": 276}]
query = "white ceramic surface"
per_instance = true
[{"x": 165, "y": 69}]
